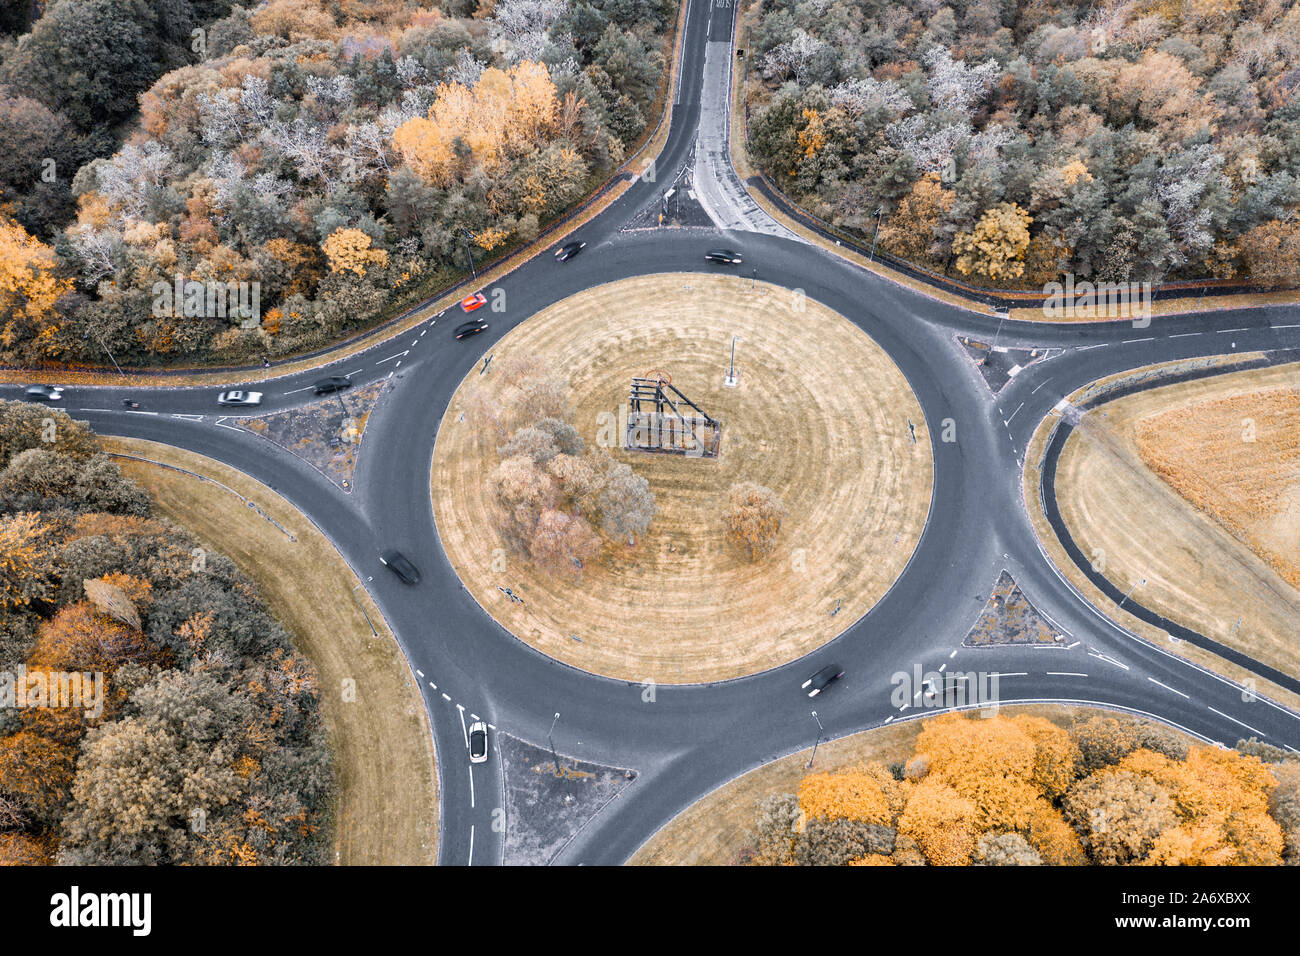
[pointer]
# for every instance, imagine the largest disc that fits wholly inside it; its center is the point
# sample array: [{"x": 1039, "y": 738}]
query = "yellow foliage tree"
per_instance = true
[
  {"x": 853, "y": 795},
  {"x": 350, "y": 249},
  {"x": 506, "y": 111},
  {"x": 942, "y": 822},
  {"x": 29, "y": 286},
  {"x": 997, "y": 245}
]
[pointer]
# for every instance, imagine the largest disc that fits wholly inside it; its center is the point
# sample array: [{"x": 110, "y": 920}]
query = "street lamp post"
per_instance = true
[
  {"x": 554, "y": 757},
  {"x": 1130, "y": 591},
  {"x": 730, "y": 380},
  {"x": 88, "y": 333},
  {"x": 820, "y": 729},
  {"x": 469, "y": 252},
  {"x": 880, "y": 211}
]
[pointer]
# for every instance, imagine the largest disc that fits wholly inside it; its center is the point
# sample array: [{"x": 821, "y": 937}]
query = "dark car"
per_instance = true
[
  {"x": 569, "y": 250},
  {"x": 817, "y": 683},
  {"x": 396, "y": 562},
  {"x": 472, "y": 327},
  {"x": 335, "y": 383},
  {"x": 43, "y": 393},
  {"x": 725, "y": 257}
]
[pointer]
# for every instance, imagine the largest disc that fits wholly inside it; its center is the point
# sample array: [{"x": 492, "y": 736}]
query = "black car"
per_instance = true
[
  {"x": 817, "y": 683},
  {"x": 335, "y": 383},
  {"x": 396, "y": 562},
  {"x": 43, "y": 393},
  {"x": 472, "y": 327},
  {"x": 725, "y": 257},
  {"x": 569, "y": 250}
]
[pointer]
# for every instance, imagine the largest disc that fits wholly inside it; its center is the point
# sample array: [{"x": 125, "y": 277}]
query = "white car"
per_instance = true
[
  {"x": 239, "y": 399},
  {"x": 478, "y": 744}
]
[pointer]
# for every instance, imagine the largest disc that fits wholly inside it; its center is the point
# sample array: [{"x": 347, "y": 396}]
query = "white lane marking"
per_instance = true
[
  {"x": 1226, "y": 331},
  {"x": 1108, "y": 660},
  {"x": 1185, "y": 335},
  {"x": 391, "y": 357},
  {"x": 433, "y": 685},
  {"x": 1151, "y": 338},
  {"x": 471, "y": 788},
  {"x": 1065, "y": 674},
  {"x": 294, "y": 391},
  {"x": 420, "y": 672},
  {"x": 463, "y": 728},
  {"x": 446, "y": 698},
  {"x": 471, "y": 844},
  {"x": 1013, "y": 414},
  {"x": 952, "y": 655},
  {"x": 1040, "y": 385},
  {"x": 1167, "y": 687},
  {"x": 189, "y": 418},
  {"x": 1236, "y": 721},
  {"x": 1016, "y": 674}
]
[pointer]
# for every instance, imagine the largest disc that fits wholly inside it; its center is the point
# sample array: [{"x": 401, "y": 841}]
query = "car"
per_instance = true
[
  {"x": 569, "y": 250},
  {"x": 43, "y": 393},
  {"x": 472, "y": 302},
  {"x": 817, "y": 683},
  {"x": 725, "y": 257},
  {"x": 239, "y": 398},
  {"x": 335, "y": 383},
  {"x": 478, "y": 742},
  {"x": 472, "y": 327},
  {"x": 396, "y": 562}
]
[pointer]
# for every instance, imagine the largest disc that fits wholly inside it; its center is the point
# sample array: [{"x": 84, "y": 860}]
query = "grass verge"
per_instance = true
[
  {"x": 387, "y": 789},
  {"x": 1195, "y": 572}
]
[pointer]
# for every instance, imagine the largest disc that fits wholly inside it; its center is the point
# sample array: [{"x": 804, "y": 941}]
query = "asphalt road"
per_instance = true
[{"x": 690, "y": 739}]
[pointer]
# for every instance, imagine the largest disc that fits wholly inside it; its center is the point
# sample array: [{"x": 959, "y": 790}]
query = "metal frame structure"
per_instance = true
[{"x": 656, "y": 422}]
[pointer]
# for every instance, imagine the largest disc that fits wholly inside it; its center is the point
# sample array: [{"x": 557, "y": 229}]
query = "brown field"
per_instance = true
[
  {"x": 1237, "y": 458},
  {"x": 386, "y": 810},
  {"x": 713, "y": 831},
  {"x": 1215, "y": 563},
  {"x": 821, "y": 418}
]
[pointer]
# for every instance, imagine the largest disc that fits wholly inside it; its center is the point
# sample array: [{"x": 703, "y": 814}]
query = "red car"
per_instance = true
[{"x": 472, "y": 302}]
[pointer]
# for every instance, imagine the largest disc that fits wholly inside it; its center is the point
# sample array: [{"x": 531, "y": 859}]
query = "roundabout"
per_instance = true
[
  {"x": 822, "y": 417},
  {"x": 904, "y": 603}
]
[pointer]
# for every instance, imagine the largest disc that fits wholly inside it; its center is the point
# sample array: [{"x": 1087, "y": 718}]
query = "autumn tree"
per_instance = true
[
  {"x": 626, "y": 503},
  {"x": 997, "y": 245},
  {"x": 350, "y": 249},
  {"x": 754, "y": 518},
  {"x": 910, "y": 232},
  {"x": 29, "y": 283},
  {"x": 562, "y": 543},
  {"x": 27, "y": 565},
  {"x": 1272, "y": 252},
  {"x": 1119, "y": 815}
]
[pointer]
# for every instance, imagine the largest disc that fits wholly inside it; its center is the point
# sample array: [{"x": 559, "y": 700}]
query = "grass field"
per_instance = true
[
  {"x": 387, "y": 803},
  {"x": 713, "y": 831},
  {"x": 1237, "y": 458},
  {"x": 1219, "y": 562},
  {"x": 820, "y": 417}
]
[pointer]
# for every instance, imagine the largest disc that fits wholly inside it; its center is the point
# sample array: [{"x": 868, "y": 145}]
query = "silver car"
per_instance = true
[{"x": 239, "y": 399}]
